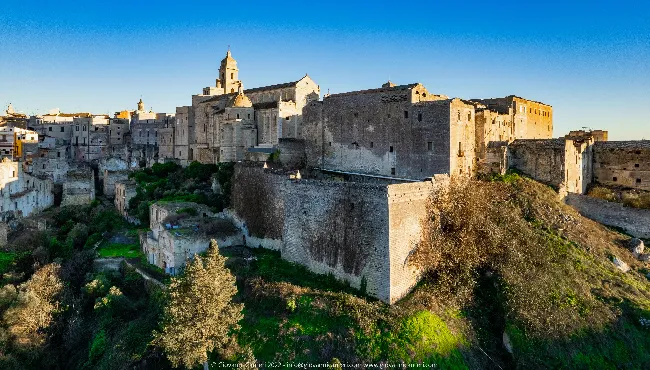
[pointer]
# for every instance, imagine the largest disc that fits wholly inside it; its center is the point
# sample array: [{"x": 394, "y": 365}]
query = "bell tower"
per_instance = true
[{"x": 228, "y": 75}]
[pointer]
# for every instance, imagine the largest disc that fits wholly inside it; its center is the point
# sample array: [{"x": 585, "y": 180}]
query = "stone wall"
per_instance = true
[
  {"x": 359, "y": 232},
  {"x": 109, "y": 180},
  {"x": 124, "y": 191},
  {"x": 292, "y": 153},
  {"x": 543, "y": 160},
  {"x": 622, "y": 163},
  {"x": 339, "y": 228},
  {"x": 79, "y": 187},
  {"x": 407, "y": 208},
  {"x": 257, "y": 198},
  {"x": 170, "y": 243},
  {"x": 633, "y": 221}
]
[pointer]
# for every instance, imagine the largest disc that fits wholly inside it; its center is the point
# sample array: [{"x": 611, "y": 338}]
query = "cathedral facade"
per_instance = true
[{"x": 225, "y": 122}]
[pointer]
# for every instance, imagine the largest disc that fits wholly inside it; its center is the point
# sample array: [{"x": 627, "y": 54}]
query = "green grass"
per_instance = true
[
  {"x": 292, "y": 314},
  {"x": 120, "y": 250}
]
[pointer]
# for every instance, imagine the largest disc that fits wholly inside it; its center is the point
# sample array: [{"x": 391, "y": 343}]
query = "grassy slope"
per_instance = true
[{"x": 594, "y": 310}]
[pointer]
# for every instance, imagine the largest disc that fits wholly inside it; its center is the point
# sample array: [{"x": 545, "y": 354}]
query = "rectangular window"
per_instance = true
[
  {"x": 62, "y": 129},
  {"x": 372, "y": 145},
  {"x": 636, "y": 165},
  {"x": 77, "y": 128},
  {"x": 614, "y": 179},
  {"x": 390, "y": 149},
  {"x": 392, "y": 171},
  {"x": 420, "y": 117},
  {"x": 49, "y": 128},
  {"x": 638, "y": 181},
  {"x": 406, "y": 114},
  {"x": 430, "y": 145}
]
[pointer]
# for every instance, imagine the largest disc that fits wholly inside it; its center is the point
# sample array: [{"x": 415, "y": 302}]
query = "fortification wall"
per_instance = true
[
  {"x": 622, "y": 163},
  {"x": 407, "y": 207},
  {"x": 257, "y": 199},
  {"x": 362, "y": 233},
  {"x": 542, "y": 160},
  {"x": 292, "y": 153},
  {"x": 633, "y": 220},
  {"x": 339, "y": 228}
]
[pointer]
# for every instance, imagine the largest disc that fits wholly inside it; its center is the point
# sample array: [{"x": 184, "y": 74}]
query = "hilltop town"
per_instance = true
[
  {"x": 350, "y": 172},
  {"x": 335, "y": 211}
]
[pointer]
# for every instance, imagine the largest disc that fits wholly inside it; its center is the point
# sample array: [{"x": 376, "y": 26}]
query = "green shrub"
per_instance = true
[
  {"x": 6, "y": 259},
  {"x": 97, "y": 347},
  {"x": 188, "y": 210}
]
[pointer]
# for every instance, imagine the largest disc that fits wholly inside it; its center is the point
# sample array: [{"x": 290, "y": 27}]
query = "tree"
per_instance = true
[
  {"x": 200, "y": 313},
  {"x": 34, "y": 307}
]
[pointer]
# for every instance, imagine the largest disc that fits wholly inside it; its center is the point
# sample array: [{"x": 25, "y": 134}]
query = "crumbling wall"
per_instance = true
[
  {"x": 622, "y": 163},
  {"x": 79, "y": 187},
  {"x": 112, "y": 177}
]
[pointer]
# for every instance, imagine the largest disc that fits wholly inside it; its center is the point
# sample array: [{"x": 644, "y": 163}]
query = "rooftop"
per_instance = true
[
  {"x": 629, "y": 144},
  {"x": 378, "y": 90}
]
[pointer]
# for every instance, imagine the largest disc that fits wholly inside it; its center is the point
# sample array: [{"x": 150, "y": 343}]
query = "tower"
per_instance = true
[{"x": 228, "y": 75}]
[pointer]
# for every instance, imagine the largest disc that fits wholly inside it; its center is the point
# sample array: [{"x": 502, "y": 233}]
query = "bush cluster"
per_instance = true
[{"x": 171, "y": 182}]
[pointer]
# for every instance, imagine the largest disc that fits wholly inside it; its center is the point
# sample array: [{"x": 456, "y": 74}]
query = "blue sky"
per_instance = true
[{"x": 589, "y": 60}]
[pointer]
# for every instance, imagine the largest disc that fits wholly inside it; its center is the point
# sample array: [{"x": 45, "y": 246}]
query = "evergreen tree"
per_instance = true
[{"x": 200, "y": 313}]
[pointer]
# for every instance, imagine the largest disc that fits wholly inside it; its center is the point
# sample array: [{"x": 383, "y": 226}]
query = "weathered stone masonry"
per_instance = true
[{"x": 355, "y": 231}]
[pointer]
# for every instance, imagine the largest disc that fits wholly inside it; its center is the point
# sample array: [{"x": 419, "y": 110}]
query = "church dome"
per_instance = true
[{"x": 240, "y": 101}]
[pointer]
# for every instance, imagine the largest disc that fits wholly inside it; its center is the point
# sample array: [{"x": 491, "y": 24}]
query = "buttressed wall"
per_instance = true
[{"x": 360, "y": 232}]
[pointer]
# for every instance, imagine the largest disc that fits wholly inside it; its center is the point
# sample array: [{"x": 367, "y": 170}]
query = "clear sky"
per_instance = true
[{"x": 590, "y": 60}]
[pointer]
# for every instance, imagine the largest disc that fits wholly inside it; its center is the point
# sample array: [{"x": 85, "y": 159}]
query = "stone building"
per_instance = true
[
  {"x": 51, "y": 162},
  {"x": 622, "y": 164},
  {"x": 362, "y": 233},
  {"x": 124, "y": 191},
  {"x": 399, "y": 131},
  {"x": 79, "y": 186},
  {"x": 90, "y": 138},
  {"x": 179, "y": 230},
  {"x": 510, "y": 118},
  {"x": 13, "y": 139},
  {"x": 22, "y": 194},
  {"x": 11, "y": 118},
  {"x": 225, "y": 121}
]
